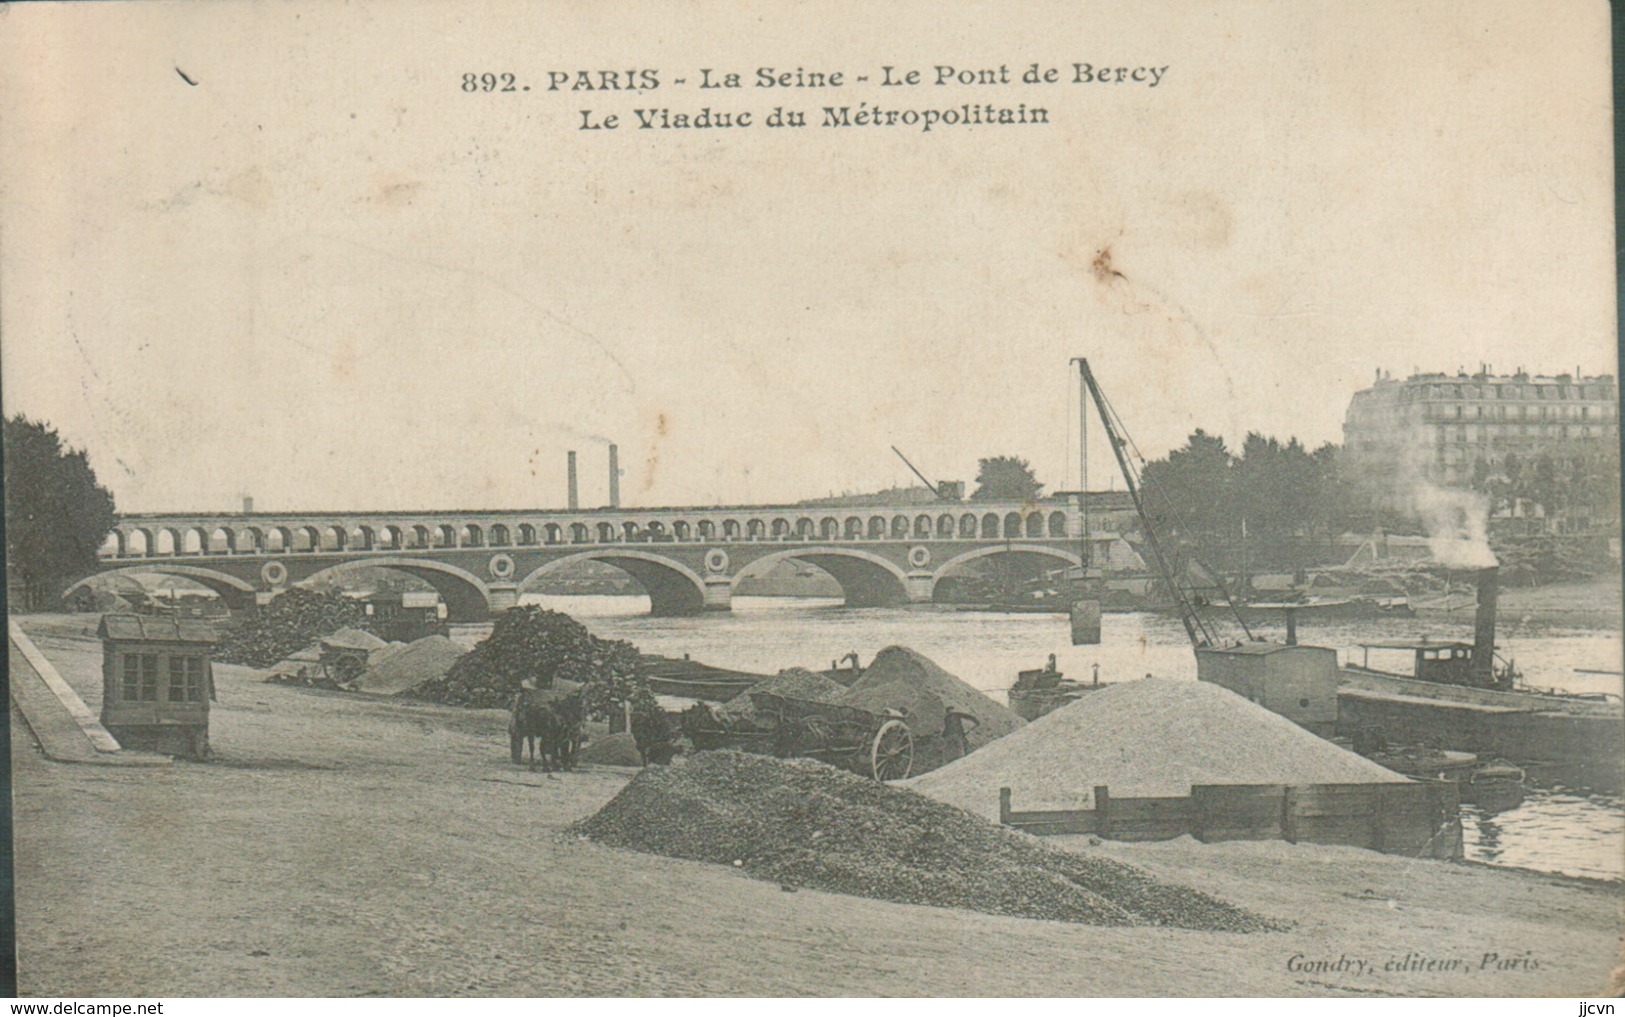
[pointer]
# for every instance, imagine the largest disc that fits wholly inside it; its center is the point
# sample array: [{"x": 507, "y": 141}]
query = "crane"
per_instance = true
[{"x": 1196, "y": 627}]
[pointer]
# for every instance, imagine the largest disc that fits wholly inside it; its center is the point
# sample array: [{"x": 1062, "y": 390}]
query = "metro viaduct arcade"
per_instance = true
[{"x": 688, "y": 560}]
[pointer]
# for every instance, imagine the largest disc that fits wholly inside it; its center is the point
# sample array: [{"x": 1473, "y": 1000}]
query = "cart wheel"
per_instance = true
[{"x": 892, "y": 755}]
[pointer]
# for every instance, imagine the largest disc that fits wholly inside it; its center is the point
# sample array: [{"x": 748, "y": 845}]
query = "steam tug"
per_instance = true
[{"x": 1461, "y": 696}]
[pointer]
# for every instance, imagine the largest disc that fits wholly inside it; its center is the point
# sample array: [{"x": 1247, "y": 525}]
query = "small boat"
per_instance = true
[
  {"x": 1425, "y": 763},
  {"x": 1495, "y": 787},
  {"x": 689, "y": 679},
  {"x": 1042, "y": 690}
]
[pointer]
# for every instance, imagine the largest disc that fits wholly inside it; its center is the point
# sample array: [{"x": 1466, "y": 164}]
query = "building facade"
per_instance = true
[{"x": 1531, "y": 442}]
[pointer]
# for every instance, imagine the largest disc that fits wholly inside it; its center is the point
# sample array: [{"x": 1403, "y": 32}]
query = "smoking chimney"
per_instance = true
[
  {"x": 614, "y": 477},
  {"x": 575, "y": 492},
  {"x": 1484, "y": 627}
]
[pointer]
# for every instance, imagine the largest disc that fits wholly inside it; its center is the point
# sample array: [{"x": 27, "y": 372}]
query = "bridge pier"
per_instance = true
[
  {"x": 719, "y": 593},
  {"x": 502, "y": 596},
  {"x": 920, "y": 587}
]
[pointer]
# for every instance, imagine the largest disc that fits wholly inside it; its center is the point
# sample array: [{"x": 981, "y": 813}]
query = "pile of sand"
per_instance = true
[
  {"x": 801, "y": 823},
  {"x": 306, "y": 663},
  {"x": 1145, "y": 739},
  {"x": 353, "y": 639},
  {"x": 901, "y": 679},
  {"x": 792, "y": 683},
  {"x": 612, "y": 750},
  {"x": 391, "y": 674}
]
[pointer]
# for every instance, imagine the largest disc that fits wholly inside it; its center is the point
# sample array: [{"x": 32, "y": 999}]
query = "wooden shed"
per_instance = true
[
  {"x": 1298, "y": 682},
  {"x": 157, "y": 681}
]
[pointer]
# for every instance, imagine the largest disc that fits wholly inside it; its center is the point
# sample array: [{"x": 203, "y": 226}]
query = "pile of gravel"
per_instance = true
[
  {"x": 792, "y": 683},
  {"x": 801, "y": 823},
  {"x": 1152, "y": 738}
]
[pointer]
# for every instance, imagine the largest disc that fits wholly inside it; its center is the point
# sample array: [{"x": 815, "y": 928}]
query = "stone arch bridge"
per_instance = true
[{"x": 688, "y": 560}]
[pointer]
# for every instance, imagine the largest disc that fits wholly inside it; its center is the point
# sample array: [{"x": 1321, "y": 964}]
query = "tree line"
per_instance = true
[{"x": 1272, "y": 501}]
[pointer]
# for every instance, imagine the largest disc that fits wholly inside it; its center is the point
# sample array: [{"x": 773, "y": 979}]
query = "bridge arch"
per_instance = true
[
  {"x": 233, "y": 592},
  {"x": 866, "y": 579},
  {"x": 673, "y": 587},
  {"x": 952, "y": 564},
  {"x": 466, "y": 596}
]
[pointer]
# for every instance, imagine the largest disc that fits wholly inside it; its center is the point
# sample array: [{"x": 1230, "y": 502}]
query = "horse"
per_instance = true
[
  {"x": 549, "y": 722},
  {"x": 527, "y": 726},
  {"x": 654, "y": 735},
  {"x": 561, "y": 730}
]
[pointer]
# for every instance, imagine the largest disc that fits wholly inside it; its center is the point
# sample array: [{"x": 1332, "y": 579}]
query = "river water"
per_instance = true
[{"x": 1554, "y": 830}]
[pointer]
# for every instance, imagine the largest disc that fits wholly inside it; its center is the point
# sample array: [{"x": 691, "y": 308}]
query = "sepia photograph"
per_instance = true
[{"x": 656, "y": 499}]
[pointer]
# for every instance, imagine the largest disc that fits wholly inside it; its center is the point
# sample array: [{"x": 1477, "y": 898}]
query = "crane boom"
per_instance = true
[
  {"x": 1195, "y": 628},
  {"x": 917, "y": 473}
]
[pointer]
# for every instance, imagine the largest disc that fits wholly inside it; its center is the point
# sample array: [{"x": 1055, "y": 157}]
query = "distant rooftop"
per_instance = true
[{"x": 1486, "y": 375}]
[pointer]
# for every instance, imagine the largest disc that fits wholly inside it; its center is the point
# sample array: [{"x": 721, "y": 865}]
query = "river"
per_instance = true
[{"x": 1554, "y": 830}]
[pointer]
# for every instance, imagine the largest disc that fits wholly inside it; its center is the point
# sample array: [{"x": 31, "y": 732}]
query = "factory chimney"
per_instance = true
[
  {"x": 575, "y": 492},
  {"x": 1484, "y": 628},
  {"x": 614, "y": 477},
  {"x": 248, "y": 504}
]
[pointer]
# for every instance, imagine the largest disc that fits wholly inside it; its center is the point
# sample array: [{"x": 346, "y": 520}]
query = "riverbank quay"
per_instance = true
[{"x": 343, "y": 845}]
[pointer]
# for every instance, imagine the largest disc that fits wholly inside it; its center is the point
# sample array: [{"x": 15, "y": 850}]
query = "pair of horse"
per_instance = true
[{"x": 548, "y": 722}]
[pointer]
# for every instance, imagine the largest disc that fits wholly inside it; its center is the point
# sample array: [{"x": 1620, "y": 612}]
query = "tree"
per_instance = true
[
  {"x": 1202, "y": 494},
  {"x": 1190, "y": 493},
  {"x": 57, "y": 514},
  {"x": 1006, "y": 478}
]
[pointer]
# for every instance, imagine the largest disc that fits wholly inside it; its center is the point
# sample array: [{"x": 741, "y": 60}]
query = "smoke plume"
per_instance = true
[{"x": 1456, "y": 523}]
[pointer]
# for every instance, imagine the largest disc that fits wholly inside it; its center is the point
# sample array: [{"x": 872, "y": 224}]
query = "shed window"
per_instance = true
[
  {"x": 186, "y": 679},
  {"x": 140, "y": 677}
]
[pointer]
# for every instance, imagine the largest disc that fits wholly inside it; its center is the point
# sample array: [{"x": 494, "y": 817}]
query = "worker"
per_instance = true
[{"x": 955, "y": 744}]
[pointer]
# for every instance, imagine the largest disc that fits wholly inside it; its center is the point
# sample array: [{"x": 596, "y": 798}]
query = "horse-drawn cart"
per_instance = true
[{"x": 878, "y": 745}]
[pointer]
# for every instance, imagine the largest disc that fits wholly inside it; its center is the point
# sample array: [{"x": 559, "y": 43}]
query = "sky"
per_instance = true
[{"x": 275, "y": 250}]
